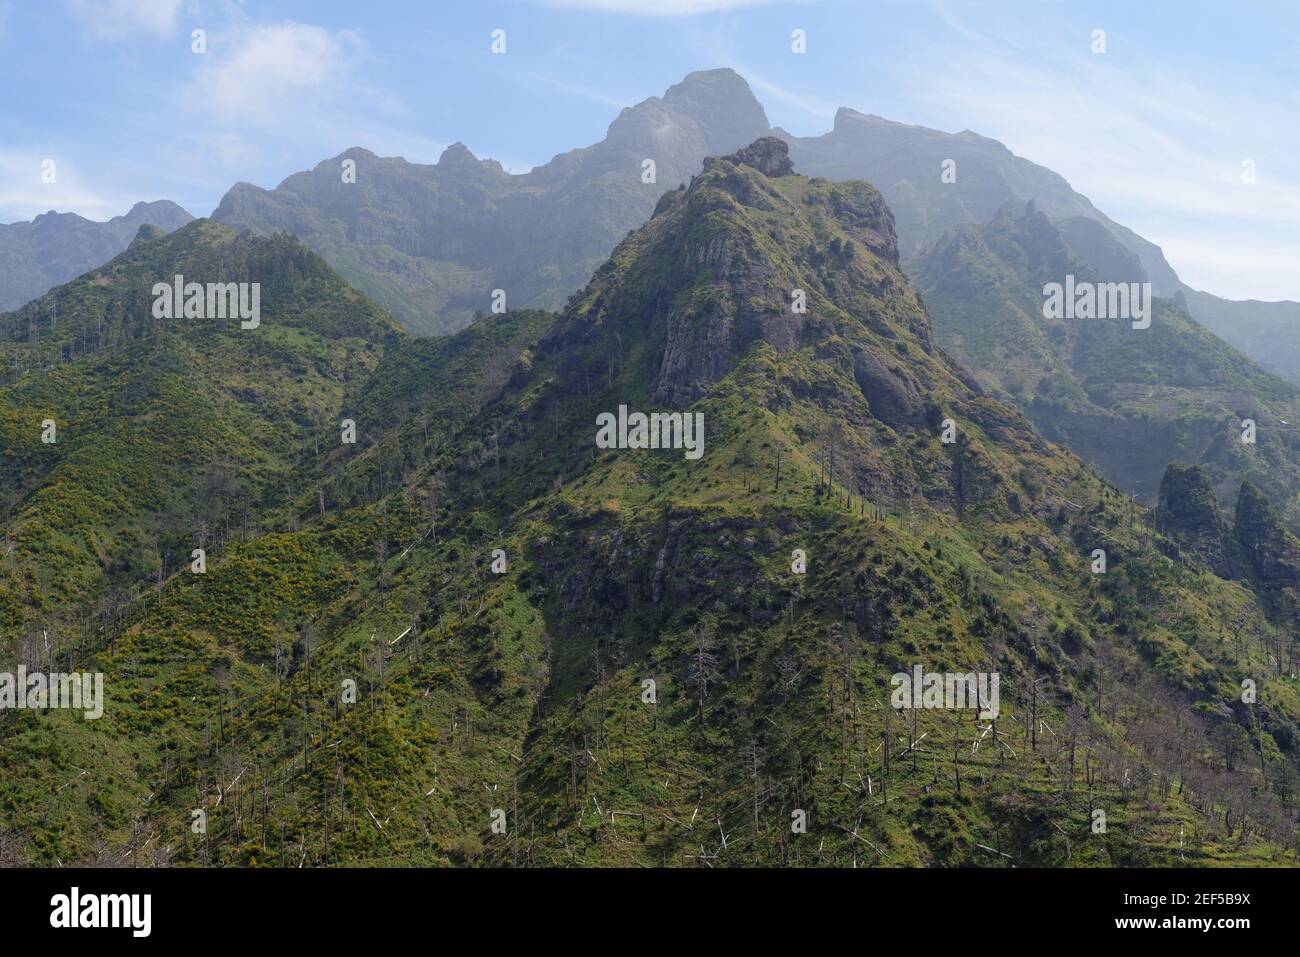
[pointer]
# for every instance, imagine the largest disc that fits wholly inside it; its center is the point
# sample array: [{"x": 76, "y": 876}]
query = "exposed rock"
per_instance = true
[{"x": 768, "y": 155}]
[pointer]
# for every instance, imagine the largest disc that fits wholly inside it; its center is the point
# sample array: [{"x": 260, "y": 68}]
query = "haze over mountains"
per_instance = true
[
  {"x": 1128, "y": 400},
  {"x": 538, "y": 235},
  {"x": 433, "y": 243},
  {"x": 905, "y": 162},
  {"x": 55, "y": 247},
  {"x": 430, "y": 243}
]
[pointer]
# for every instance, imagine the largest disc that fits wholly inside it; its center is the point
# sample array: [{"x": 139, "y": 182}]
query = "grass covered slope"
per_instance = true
[
  {"x": 169, "y": 434},
  {"x": 446, "y": 663}
]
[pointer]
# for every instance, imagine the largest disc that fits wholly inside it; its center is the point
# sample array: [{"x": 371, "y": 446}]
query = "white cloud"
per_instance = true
[
  {"x": 121, "y": 19},
  {"x": 661, "y": 8},
  {"x": 264, "y": 74},
  {"x": 1234, "y": 266},
  {"x": 23, "y": 195}
]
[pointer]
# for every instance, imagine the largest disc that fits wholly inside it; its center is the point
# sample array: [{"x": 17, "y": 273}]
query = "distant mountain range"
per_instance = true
[
  {"x": 431, "y": 243},
  {"x": 56, "y": 247},
  {"x": 1128, "y": 400},
  {"x": 905, "y": 163}
]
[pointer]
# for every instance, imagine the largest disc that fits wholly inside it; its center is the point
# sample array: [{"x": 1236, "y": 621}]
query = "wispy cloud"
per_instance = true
[
  {"x": 23, "y": 193},
  {"x": 271, "y": 93},
  {"x": 263, "y": 73},
  {"x": 1238, "y": 263},
  {"x": 120, "y": 19},
  {"x": 1156, "y": 148},
  {"x": 814, "y": 106},
  {"x": 581, "y": 90}
]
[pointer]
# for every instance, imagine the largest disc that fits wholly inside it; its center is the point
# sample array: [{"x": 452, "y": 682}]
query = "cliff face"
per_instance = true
[
  {"x": 1272, "y": 551},
  {"x": 1188, "y": 514}
]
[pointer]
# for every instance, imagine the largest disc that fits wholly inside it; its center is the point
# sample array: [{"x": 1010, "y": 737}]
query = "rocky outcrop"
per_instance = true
[
  {"x": 1188, "y": 515},
  {"x": 1273, "y": 552},
  {"x": 768, "y": 155}
]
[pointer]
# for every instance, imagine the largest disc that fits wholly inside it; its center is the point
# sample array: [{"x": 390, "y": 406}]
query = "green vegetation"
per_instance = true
[{"x": 521, "y": 697}]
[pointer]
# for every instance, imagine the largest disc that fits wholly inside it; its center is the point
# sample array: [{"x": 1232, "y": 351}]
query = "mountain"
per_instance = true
[
  {"x": 482, "y": 635},
  {"x": 56, "y": 247},
  {"x": 908, "y": 162},
  {"x": 431, "y": 243},
  {"x": 1257, "y": 547},
  {"x": 1128, "y": 400},
  {"x": 1265, "y": 331},
  {"x": 1271, "y": 549},
  {"x": 166, "y": 432},
  {"x": 1189, "y": 517}
]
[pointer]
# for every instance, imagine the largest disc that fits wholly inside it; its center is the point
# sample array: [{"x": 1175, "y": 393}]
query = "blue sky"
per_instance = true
[{"x": 1154, "y": 131}]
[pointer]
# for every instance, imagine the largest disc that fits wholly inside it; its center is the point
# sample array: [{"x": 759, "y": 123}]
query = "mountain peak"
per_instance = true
[
  {"x": 146, "y": 233},
  {"x": 727, "y": 255},
  {"x": 845, "y": 115},
  {"x": 50, "y": 214},
  {"x": 720, "y": 83},
  {"x": 160, "y": 212},
  {"x": 455, "y": 154},
  {"x": 722, "y": 103},
  {"x": 1188, "y": 514},
  {"x": 767, "y": 154}
]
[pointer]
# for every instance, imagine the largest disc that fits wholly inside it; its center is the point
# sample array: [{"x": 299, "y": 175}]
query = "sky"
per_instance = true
[{"x": 1159, "y": 130}]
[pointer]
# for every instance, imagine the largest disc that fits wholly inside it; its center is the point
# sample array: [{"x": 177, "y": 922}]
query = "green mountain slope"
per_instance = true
[
  {"x": 168, "y": 434},
  {"x": 369, "y": 681},
  {"x": 1265, "y": 331}
]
